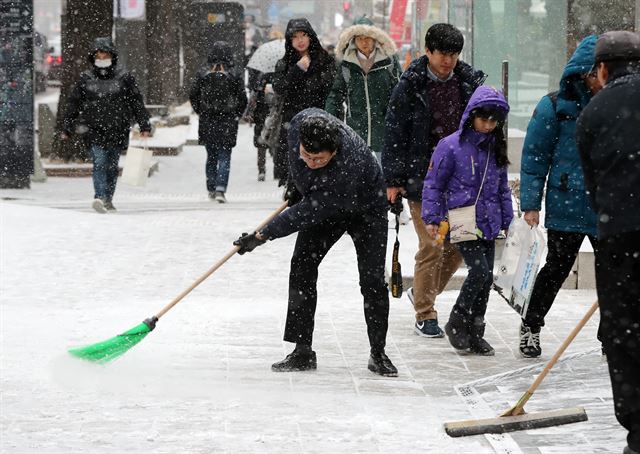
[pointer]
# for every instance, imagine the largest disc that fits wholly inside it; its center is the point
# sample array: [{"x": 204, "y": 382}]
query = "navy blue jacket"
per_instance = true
[
  {"x": 351, "y": 183},
  {"x": 406, "y": 154}
]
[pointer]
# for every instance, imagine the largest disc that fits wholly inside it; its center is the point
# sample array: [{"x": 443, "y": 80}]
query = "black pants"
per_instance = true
[
  {"x": 618, "y": 281},
  {"x": 474, "y": 295},
  {"x": 281, "y": 158},
  {"x": 369, "y": 235},
  {"x": 563, "y": 248},
  {"x": 262, "y": 149}
]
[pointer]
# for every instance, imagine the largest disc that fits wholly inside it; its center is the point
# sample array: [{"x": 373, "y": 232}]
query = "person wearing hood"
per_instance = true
[
  {"x": 366, "y": 75},
  {"x": 219, "y": 98},
  {"x": 425, "y": 107},
  {"x": 107, "y": 98},
  {"x": 342, "y": 191},
  {"x": 469, "y": 168},
  {"x": 550, "y": 155},
  {"x": 607, "y": 137},
  {"x": 302, "y": 79}
]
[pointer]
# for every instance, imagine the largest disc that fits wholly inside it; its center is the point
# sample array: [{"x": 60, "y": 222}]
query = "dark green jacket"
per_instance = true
[{"x": 361, "y": 99}]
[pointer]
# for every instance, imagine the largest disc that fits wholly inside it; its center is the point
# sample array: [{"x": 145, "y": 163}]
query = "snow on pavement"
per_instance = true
[{"x": 201, "y": 382}]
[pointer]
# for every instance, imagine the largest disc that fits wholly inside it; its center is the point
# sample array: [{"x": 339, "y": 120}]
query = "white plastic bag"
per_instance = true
[
  {"x": 518, "y": 266},
  {"x": 136, "y": 166}
]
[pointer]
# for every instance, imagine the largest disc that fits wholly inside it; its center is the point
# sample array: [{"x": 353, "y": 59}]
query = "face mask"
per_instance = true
[{"x": 103, "y": 63}]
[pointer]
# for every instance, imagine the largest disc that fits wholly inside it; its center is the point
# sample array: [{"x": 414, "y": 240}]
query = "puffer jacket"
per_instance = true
[
  {"x": 107, "y": 100},
  {"x": 456, "y": 170},
  {"x": 406, "y": 153},
  {"x": 366, "y": 95},
  {"x": 550, "y": 154},
  {"x": 350, "y": 184}
]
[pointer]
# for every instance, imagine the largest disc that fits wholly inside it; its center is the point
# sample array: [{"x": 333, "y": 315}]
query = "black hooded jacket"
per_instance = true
[
  {"x": 107, "y": 101},
  {"x": 607, "y": 138},
  {"x": 219, "y": 98},
  {"x": 351, "y": 184},
  {"x": 302, "y": 89}
]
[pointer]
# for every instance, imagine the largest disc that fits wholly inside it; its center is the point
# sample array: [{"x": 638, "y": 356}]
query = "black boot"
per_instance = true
[
  {"x": 302, "y": 358},
  {"x": 457, "y": 329},
  {"x": 479, "y": 346},
  {"x": 380, "y": 364}
]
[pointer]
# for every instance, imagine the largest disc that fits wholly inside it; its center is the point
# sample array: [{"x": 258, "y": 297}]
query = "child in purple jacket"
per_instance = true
[{"x": 455, "y": 180}]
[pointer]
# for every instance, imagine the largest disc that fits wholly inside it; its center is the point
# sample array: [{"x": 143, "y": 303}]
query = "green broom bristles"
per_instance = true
[{"x": 110, "y": 349}]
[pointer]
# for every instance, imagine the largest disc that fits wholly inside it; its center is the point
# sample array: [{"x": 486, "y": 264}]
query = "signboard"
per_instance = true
[
  {"x": 16, "y": 93},
  {"x": 129, "y": 9}
]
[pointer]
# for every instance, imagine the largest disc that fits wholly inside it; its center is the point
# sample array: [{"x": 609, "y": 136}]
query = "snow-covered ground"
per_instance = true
[{"x": 201, "y": 382}]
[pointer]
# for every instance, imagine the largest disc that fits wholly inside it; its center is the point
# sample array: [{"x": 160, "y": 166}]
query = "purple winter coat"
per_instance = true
[{"x": 456, "y": 169}]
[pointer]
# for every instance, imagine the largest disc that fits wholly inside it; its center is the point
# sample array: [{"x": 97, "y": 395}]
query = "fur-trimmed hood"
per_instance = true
[{"x": 346, "y": 39}]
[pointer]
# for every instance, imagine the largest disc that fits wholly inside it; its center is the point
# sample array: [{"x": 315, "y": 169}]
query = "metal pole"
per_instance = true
[{"x": 505, "y": 91}]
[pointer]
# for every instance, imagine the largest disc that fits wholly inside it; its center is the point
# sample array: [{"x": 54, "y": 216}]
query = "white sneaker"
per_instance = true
[
  {"x": 219, "y": 197},
  {"x": 98, "y": 205}
]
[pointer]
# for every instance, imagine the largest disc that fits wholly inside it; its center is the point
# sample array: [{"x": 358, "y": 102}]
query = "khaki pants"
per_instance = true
[{"x": 435, "y": 264}]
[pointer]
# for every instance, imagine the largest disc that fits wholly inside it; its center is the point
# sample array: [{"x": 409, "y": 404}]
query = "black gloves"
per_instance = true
[
  {"x": 291, "y": 194},
  {"x": 396, "y": 206},
  {"x": 248, "y": 242}
]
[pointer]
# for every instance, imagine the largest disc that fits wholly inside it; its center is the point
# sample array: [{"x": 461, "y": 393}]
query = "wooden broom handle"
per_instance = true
[
  {"x": 523, "y": 400},
  {"x": 215, "y": 267}
]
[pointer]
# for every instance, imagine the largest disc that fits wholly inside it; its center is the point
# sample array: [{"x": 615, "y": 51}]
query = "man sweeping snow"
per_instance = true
[{"x": 341, "y": 190}]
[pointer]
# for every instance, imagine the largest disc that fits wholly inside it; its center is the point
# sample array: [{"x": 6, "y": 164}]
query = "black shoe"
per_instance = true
[
  {"x": 261, "y": 176},
  {"x": 478, "y": 345},
  {"x": 379, "y": 363},
  {"x": 296, "y": 361},
  {"x": 458, "y": 332},
  {"x": 109, "y": 206},
  {"x": 529, "y": 341}
]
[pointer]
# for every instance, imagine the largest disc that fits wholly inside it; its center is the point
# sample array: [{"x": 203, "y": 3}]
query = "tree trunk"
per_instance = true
[
  {"x": 82, "y": 22},
  {"x": 163, "y": 50}
]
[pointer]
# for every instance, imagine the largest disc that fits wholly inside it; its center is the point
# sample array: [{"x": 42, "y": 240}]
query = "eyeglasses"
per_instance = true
[{"x": 310, "y": 158}]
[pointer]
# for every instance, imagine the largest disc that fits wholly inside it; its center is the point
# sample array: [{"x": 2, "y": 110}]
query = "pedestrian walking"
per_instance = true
[
  {"x": 425, "y": 107},
  {"x": 257, "y": 112},
  {"x": 469, "y": 168},
  {"x": 607, "y": 137},
  {"x": 340, "y": 190},
  {"x": 106, "y": 99},
  {"x": 366, "y": 75},
  {"x": 550, "y": 156},
  {"x": 219, "y": 98},
  {"x": 302, "y": 79}
]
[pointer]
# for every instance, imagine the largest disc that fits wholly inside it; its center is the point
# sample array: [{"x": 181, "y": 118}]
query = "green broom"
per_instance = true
[{"x": 113, "y": 348}]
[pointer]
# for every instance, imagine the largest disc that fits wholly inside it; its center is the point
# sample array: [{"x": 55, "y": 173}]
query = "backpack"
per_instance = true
[{"x": 217, "y": 94}]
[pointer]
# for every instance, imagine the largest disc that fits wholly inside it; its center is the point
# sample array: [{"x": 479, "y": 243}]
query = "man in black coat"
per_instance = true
[
  {"x": 426, "y": 106},
  {"x": 608, "y": 141},
  {"x": 342, "y": 191},
  {"x": 107, "y": 99}
]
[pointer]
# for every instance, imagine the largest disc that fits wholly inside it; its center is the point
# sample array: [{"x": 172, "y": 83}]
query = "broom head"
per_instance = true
[{"x": 113, "y": 348}]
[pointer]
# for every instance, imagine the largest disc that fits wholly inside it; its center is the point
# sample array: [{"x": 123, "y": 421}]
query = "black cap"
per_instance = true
[{"x": 618, "y": 45}]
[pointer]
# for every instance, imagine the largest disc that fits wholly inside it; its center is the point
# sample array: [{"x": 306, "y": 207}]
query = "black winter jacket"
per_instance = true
[
  {"x": 220, "y": 100},
  {"x": 406, "y": 155},
  {"x": 349, "y": 185},
  {"x": 302, "y": 89},
  {"x": 607, "y": 134},
  {"x": 107, "y": 101}
]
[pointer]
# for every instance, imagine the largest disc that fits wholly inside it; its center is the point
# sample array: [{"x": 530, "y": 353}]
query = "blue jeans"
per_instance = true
[
  {"x": 105, "y": 171},
  {"x": 217, "y": 168},
  {"x": 474, "y": 295}
]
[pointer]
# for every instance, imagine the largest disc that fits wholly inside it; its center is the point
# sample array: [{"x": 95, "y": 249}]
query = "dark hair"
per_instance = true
[
  {"x": 617, "y": 68},
  {"x": 445, "y": 38},
  {"x": 318, "y": 133},
  {"x": 500, "y": 141}
]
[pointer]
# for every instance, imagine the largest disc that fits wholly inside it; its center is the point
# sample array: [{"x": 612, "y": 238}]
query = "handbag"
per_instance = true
[
  {"x": 462, "y": 221},
  {"x": 136, "y": 166},
  {"x": 270, "y": 134},
  {"x": 396, "y": 269}
]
